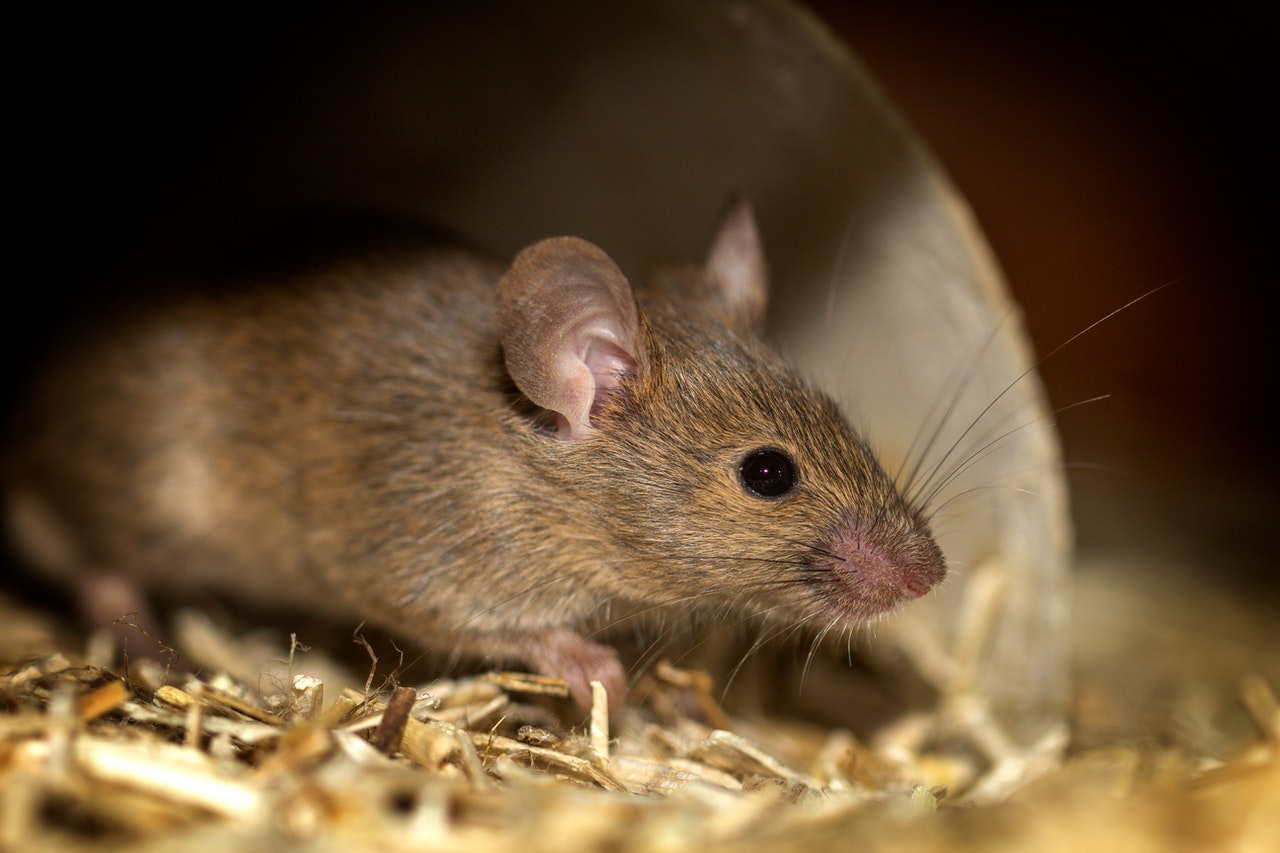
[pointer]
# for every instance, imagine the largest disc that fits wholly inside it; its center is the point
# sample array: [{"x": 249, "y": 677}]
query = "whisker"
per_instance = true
[
  {"x": 837, "y": 270},
  {"x": 986, "y": 450},
  {"x": 782, "y": 630},
  {"x": 956, "y": 396},
  {"x": 916, "y": 490},
  {"x": 814, "y": 646}
]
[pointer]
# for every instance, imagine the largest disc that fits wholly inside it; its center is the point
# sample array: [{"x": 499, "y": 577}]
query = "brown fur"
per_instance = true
[{"x": 350, "y": 441}]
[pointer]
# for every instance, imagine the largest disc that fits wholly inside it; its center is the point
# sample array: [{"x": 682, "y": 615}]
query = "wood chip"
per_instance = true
[
  {"x": 173, "y": 697},
  {"x": 742, "y": 758},
  {"x": 164, "y": 771},
  {"x": 306, "y": 696},
  {"x": 531, "y": 684},
  {"x": 220, "y": 698},
  {"x": 600, "y": 723},
  {"x": 391, "y": 728},
  {"x": 429, "y": 744},
  {"x": 644, "y": 777},
  {"x": 54, "y": 663},
  {"x": 699, "y": 684},
  {"x": 108, "y": 697},
  {"x": 548, "y": 759}
]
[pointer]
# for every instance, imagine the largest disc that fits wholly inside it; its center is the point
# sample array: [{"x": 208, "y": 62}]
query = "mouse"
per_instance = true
[{"x": 496, "y": 458}]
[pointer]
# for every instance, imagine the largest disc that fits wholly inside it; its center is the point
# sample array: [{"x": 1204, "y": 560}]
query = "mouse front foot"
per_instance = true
[
  {"x": 111, "y": 602},
  {"x": 563, "y": 653}
]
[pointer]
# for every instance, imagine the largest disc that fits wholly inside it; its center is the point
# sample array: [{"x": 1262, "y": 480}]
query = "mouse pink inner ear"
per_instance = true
[
  {"x": 736, "y": 267},
  {"x": 570, "y": 328}
]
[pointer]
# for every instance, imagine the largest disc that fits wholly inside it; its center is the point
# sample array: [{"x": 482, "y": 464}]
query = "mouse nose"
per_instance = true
[{"x": 876, "y": 569}]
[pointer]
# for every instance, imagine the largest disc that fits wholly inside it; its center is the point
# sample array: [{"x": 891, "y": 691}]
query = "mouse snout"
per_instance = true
[{"x": 877, "y": 569}]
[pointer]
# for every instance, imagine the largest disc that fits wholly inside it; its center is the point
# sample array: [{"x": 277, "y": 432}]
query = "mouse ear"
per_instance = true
[
  {"x": 736, "y": 266},
  {"x": 570, "y": 328}
]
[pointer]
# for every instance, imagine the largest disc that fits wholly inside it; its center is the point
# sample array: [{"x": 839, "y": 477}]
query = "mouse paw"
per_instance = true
[
  {"x": 110, "y": 601},
  {"x": 565, "y": 654}
]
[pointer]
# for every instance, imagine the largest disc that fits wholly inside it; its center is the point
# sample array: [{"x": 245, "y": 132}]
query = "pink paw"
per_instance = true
[
  {"x": 562, "y": 653},
  {"x": 111, "y": 601}
]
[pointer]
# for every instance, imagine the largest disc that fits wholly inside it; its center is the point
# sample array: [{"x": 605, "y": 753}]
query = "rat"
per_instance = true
[{"x": 496, "y": 459}]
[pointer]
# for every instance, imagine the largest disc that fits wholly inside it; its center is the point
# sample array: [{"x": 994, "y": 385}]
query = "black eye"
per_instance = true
[{"x": 768, "y": 473}]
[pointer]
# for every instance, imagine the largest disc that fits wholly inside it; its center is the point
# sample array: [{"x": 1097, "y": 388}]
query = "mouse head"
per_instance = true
[{"x": 698, "y": 449}]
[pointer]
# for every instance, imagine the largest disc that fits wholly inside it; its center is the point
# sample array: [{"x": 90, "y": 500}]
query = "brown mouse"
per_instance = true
[{"x": 498, "y": 460}]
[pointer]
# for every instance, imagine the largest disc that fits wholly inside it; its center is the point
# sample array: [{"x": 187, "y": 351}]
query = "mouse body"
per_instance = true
[{"x": 499, "y": 459}]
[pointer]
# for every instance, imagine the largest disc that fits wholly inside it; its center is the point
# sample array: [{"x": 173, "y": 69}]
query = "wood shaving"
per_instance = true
[{"x": 92, "y": 762}]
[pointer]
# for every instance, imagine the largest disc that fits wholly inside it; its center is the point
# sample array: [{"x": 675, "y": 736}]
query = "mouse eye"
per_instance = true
[{"x": 768, "y": 473}]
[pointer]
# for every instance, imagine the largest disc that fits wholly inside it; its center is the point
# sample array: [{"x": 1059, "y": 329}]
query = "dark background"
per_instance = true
[{"x": 1106, "y": 151}]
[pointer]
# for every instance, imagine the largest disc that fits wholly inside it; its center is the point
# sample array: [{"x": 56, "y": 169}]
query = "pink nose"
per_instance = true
[
  {"x": 883, "y": 567},
  {"x": 916, "y": 587}
]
